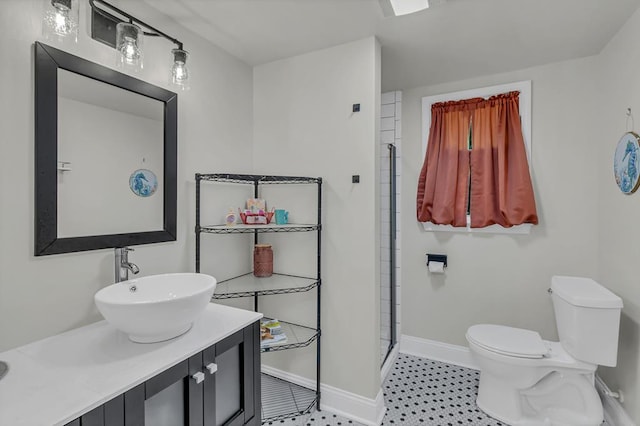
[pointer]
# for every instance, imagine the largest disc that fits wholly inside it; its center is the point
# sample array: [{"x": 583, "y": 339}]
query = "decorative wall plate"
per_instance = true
[
  {"x": 143, "y": 183},
  {"x": 626, "y": 166}
]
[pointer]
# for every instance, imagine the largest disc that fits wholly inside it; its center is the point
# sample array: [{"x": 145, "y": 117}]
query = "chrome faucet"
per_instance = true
[{"x": 123, "y": 266}]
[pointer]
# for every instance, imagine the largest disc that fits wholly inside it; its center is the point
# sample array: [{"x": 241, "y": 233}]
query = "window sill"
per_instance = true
[{"x": 523, "y": 229}]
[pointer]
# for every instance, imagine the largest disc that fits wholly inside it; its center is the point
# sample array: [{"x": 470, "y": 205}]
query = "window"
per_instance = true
[{"x": 524, "y": 89}]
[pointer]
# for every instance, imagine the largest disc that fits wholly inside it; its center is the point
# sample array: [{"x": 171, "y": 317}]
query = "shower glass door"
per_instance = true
[{"x": 388, "y": 337}]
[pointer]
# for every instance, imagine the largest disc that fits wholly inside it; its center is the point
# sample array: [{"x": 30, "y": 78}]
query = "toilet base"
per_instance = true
[
  {"x": 499, "y": 400},
  {"x": 558, "y": 399}
]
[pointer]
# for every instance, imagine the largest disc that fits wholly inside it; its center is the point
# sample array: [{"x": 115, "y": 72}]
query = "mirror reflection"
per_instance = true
[{"x": 110, "y": 147}]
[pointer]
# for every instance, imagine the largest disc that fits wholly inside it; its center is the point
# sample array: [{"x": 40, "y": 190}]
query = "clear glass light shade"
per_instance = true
[
  {"x": 129, "y": 46},
  {"x": 179, "y": 70},
  {"x": 60, "y": 21}
]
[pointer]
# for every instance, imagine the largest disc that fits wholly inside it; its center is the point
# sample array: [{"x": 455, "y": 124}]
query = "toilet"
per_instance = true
[{"x": 528, "y": 381}]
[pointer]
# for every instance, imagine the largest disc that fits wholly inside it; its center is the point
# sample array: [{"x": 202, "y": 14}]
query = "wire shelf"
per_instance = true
[
  {"x": 282, "y": 400},
  {"x": 298, "y": 336},
  {"x": 255, "y": 179},
  {"x": 249, "y": 229},
  {"x": 248, "y": 285}
]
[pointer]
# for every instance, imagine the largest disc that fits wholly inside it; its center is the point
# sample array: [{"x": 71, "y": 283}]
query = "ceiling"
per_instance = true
[{"x": 451, "y": 41}]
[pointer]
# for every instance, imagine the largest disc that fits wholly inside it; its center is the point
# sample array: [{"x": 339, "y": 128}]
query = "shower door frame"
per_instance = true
[{"x": 393, "y": 340}]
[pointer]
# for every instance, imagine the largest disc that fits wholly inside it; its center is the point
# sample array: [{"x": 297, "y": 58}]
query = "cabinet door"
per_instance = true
[
  {"x": 109, "y": 414},
  {"x": 172, "y": 398},
  {"x": 193, "y": 392},
  {"x": 231, "y": 398}
]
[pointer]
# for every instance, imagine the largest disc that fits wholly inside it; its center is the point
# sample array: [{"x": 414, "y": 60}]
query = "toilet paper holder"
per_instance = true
[{"x": 437, "y": 258}]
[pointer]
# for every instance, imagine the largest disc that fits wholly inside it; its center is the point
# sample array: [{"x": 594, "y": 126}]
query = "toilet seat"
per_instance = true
[{"x": 508, "y": 341}]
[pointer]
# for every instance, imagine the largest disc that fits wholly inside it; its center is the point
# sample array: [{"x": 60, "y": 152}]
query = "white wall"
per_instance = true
[
  {"x": 46, "y": 295},
  {"x": 619, "y": 232},
  {"x": 503, "y": 278},
  {"x": 304, "y": 125}
]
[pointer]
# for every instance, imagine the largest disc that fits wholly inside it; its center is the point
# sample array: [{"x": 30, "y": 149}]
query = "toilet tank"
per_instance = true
[{"x": 587, "y": 318}]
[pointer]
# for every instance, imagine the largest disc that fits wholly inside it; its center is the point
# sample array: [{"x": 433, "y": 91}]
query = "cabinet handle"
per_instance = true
[
  {"x": 198, "y": 377},
  {"x": 212, "y": 368}
]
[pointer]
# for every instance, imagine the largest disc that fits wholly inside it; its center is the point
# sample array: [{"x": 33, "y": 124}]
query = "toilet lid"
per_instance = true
[{"x": 508, "y": 341}]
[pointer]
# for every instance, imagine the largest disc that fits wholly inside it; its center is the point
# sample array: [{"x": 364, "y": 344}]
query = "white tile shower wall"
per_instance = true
[{"x": 390, "y": 115}]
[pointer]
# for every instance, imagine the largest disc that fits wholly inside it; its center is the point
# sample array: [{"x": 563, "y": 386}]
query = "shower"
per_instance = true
[
  {"x": 390, "y": 172},
  {"x": 388, "y": 303}
]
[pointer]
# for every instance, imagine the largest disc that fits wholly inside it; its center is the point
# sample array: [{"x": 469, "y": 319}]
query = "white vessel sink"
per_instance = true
[{"x": 158, "y": 307}]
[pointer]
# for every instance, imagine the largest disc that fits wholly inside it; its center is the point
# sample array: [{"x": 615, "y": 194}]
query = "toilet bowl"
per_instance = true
[
  {"x": 528, "y": 381},
  {"x": 512, "y": 388}
]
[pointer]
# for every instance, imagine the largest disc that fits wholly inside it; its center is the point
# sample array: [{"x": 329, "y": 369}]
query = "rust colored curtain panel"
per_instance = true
[
  {"x": 501, "y": 189},
  {"x": 444, "y": 179}
]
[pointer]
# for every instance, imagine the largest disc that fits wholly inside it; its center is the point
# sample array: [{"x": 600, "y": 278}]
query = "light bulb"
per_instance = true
[
  {"x": 60, "y": 20},
  {"x": 179, "y": 73},
  {"x": 129, "y": 46},
  {"x": 129, "y": 50},
  {"x": 62, "y": 26},
  {"x": 179, "y": 70}
]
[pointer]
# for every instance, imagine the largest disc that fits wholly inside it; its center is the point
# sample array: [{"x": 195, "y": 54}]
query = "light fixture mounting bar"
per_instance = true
[{"x": 103, "y": 24}]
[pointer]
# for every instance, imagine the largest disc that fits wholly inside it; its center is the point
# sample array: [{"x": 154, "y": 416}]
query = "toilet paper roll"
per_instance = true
[{"x": 436, "y": 267}]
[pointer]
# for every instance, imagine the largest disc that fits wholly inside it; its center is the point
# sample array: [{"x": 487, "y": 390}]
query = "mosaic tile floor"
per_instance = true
[
  {"x": 320, "y": 418},
  {"x": 419, "y": 391}
]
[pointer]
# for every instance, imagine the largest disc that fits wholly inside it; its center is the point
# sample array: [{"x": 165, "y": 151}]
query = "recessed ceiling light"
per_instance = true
[{"x": 405, "y": 7}]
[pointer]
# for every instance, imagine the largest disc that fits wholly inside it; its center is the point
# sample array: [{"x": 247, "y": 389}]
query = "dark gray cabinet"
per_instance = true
[
  {"x": 219, "y": 386},
  {"x": 111, "y": 413}
]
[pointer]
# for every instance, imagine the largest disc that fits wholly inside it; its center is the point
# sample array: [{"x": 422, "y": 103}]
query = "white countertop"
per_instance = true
[{"x": 57, "y": 379}]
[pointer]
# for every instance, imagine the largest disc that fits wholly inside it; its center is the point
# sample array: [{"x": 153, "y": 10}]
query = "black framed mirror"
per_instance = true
[{"x": 116, "y": 129}]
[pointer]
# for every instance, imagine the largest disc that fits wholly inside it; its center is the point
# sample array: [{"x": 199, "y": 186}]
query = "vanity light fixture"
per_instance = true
[
  {"x": 60, "y": 20},
  {"x": 129, "y": 46},
  {"x": 179, "y": 70},
  {"x": 124, "y": 32}
]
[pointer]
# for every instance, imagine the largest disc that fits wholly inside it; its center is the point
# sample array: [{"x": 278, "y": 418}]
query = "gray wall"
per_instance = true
[
  {"x": 618, "y": 224},
  {"x": 43, "y": 296},
  {"x": 304, "y": 125},
  {"x": 503, "y": 278}
]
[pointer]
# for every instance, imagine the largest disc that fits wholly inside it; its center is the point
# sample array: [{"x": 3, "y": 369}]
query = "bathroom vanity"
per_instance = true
[{"x": 94, "y": 375}]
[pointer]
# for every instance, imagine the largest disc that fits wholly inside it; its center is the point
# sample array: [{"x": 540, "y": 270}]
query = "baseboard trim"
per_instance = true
[
  {"x": 437, "y": 351},
  {"x": 346, "y": 404},
  {"x": 614, "y": 413},
  {"x": 386, "y": 367}
]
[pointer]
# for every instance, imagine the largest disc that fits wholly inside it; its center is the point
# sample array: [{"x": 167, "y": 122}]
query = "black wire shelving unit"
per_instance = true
[{"x": 280, "y": 398}]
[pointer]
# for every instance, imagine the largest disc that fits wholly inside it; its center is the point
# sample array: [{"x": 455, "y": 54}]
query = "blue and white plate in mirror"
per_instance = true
[{"x": 143, "y": 183}]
